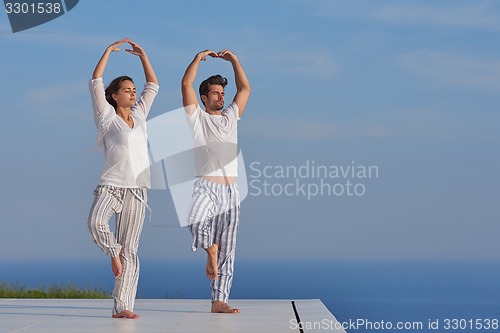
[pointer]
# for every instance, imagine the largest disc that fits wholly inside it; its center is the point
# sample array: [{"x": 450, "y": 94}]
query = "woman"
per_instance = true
[{"x": 120, "y": 119}]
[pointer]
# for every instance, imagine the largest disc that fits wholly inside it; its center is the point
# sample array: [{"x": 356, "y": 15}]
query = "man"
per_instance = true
[{"x": 214, "y": 214}]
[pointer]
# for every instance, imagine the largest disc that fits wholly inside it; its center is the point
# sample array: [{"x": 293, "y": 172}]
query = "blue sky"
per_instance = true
[{"x": 410, "y": 87}]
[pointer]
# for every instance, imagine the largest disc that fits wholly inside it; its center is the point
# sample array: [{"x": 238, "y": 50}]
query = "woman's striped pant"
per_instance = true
[
  {"x": 214, "y": 218},
  {"x": 129, "y": 206}
]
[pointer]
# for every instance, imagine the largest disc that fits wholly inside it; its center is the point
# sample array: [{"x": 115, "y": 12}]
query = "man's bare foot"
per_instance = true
[
  {"x": 212, "y": 267},
  {"x": 116, "y": 266},
  {"x": 221, "y": 307},
  {"x": 126, "y": 314}
]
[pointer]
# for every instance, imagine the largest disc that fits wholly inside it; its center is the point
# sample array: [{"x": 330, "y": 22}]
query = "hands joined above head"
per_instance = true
[
  {"x": 136, "y": 49},
  {"x": 224, "y": 54}
]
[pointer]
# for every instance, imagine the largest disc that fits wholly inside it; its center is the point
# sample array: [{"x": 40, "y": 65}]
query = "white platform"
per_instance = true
[{"x": 159, "y": 315}]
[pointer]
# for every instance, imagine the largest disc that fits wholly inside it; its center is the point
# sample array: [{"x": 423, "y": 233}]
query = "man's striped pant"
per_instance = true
[{"x": 213, "y": 218}]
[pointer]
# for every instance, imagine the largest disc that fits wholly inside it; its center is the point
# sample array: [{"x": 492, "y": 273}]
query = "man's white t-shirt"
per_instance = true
[{"x": 215, "y": 141}]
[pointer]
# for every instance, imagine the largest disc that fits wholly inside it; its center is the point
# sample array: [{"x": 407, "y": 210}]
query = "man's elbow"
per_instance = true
[
  {"x": 185, "y": 84},
  {"x": 245, "y": 89}
]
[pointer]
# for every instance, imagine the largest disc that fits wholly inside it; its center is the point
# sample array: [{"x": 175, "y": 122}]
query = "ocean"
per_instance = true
[{"x": 461, "y": 296}]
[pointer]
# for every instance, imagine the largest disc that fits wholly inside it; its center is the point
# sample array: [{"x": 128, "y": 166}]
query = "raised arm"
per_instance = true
[
  {"x": 242, "y": 84},
  {"x": 189, "y": 98},
  {"x": 101, "y": 65},
  {"x": 146, "y": 65}
]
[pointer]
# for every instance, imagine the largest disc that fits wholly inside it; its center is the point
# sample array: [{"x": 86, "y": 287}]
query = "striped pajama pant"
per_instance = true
[
  {"x": 213, "y": 218},
  {"x": 128, "y": 204}
]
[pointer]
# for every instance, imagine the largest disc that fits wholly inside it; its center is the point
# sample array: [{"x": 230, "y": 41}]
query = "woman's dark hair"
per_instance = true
[
  {"x": 214, "y": 79},
  {"x": 114, "y": 87}
]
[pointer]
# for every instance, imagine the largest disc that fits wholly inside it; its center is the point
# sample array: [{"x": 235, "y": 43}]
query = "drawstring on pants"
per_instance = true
[{"x": 144, "y": 202}]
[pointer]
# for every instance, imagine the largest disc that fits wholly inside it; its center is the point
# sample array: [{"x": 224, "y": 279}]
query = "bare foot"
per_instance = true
[
  {"x": 212, "y": 269},
  {"x": 126, "y": 314},
  {"x": 116, "y": 266},
  {"x": 221, "y": 307}
]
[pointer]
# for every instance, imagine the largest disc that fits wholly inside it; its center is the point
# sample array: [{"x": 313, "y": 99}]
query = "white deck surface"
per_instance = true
[{"x": 157, "y": 315}]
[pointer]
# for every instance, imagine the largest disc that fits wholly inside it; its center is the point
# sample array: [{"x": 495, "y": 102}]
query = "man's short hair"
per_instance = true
[{"x": 214, "y": 79}]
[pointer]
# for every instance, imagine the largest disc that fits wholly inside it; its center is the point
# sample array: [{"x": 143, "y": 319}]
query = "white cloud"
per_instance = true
[
  {"x": 476, "y": 14},
  {"x": 61, "y": 40},
  {"x": 292, "y": 129},
  {"x": 452, "y": 69},
  {"x": 467, "y": 14},
  {"x": 315, "y": 64},
  {"x": 304, "y": 129},
  {"x": 58, "y": 92},
  {"x": 61, "y": 100},
  {"x": 305, "y": 64},
  {"x": 422, "y": 121}
]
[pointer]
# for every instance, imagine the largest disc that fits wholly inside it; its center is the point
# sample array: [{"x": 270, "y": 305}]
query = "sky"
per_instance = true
[{"x": 371, "y": 132}]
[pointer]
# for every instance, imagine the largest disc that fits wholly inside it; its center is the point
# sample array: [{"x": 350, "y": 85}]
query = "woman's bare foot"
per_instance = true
[
  {"x": 126, "y": 314},
  {"x": 212, "y": 267},
  {"x": 116, "y": 266},
  {"x": 221, "y": 307}
]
